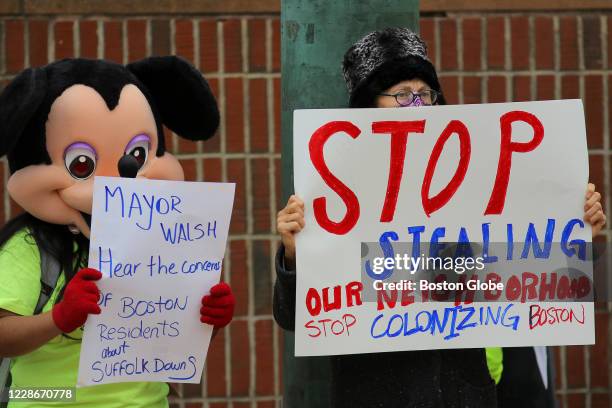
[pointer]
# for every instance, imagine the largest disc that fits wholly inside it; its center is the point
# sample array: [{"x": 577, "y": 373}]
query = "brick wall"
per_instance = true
[{"x": 482, "y": 58}]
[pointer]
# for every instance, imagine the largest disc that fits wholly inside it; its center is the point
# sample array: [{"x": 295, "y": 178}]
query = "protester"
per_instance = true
[
  {"x": 390, "y": 68},
  {"x": 61, "y": 125}
]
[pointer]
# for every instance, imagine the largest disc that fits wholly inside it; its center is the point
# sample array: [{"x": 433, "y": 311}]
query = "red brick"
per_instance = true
[
  {"x": 232, "y": 41},
  {"x": 137, "y": 39},
  {"x": 593, "y": 110},
  {"x": 215, "y": 366},
  {"x": 192, "y": 391},
  {"x": 242, "y": 405},
  {"x": 208, "y": 46},
  {"x": 575, "y": 366},
  {"x": 37, "y": 30},
  {"x": 496, "y": 89},
  {"x": 257, "y": 45},
  {"x": 472, "y": 90},
  {"x": 240, "y": 358},
  {"x": 214, "y": 143},
  {"x": 160, "y": 37},
  {"x": 88, "y": 31},
  {"x": 472, "y": 44},
  {"x": 427, "y": 32},
  {"x": 218, "y": 405},
  {"x": 545, "y": 87},
  {"x": 169, "y": 140},
  {"x": 450, "y": 89},
  {"x": 596, "y": 172},
  {"x": 609, "y": 23},
  {"x": 234, "y": 114},
  {"x": 258, "y": 117},
  {"x": 277, "y": 115},
  {"x": 64, "y": 39},
  {"x": 568, "y": 28},
  {"x": 570, "y": 87},
  {"x": 544, "y": 43},
  {"x": 609, "y": 90},
  {"x": 212, "y": 170},
  {"x": 260, "y": 181},
  {"x": 262, "y": 267},
  {"x": 236, "y": 174},
  {"x": 266, "y": 404},
  {"x": 239, "y": 281},
  {"x": 496, "y": 44},
  {"x": 599, "y": 355},
  {"x": 591, "y": 40},
  {"x": 183, "y": 39},
  {"x": 278, "y": 186},
  {"x": 276, "y": 45},
  {"x": 14, "y": 46},
  {"x": 521, "y": 88},
  {"x": 187, "y": 146},
  {"x": 113, "y": 46},
  {"x": 576, "y": 401},
  {"x": 601, "y": 401},
  {"x": 191, "y": 404},
  {"x": 519, "y": 35},
  {"x": 189, "y": 168},
  {"x": 15, "y": 209},
  {"x": 264, "y": 365},
  {"x": 448, "y": 47}
]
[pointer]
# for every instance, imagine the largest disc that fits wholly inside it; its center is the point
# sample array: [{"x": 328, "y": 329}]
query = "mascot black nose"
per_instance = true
[{"x": 128, "y": 166}]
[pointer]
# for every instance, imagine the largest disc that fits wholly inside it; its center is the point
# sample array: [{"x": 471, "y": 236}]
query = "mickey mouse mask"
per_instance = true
[{"x": 64, "y": 123}]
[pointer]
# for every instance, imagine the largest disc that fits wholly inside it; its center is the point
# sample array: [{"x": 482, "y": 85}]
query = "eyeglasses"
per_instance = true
[{"x": 409, "y": 98}]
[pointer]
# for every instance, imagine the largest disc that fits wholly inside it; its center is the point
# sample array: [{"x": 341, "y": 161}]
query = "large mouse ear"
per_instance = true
[
  {"x": 181, "y": 94},
  {"x": 19, "y": 102}
]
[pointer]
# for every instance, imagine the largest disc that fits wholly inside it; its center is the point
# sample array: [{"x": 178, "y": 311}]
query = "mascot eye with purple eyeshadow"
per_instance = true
[
  {"x": 139, "y": 148},
  {"x": 80, "y": 160}
]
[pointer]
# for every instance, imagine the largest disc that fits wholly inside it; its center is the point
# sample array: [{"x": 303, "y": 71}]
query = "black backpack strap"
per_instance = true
[{"x": 50, "y": 270}]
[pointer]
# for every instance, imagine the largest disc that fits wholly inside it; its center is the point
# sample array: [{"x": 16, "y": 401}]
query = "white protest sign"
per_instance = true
[
  {"x": 510, "y": 173},
  {"x": 159, "y": 245}
]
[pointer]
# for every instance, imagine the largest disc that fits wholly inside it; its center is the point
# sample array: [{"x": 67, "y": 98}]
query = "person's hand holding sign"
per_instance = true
[
  {"x": 290, "y": 221},
  {"x": 593, "y": 210}
]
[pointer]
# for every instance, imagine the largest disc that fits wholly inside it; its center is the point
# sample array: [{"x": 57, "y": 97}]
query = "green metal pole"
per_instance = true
[{"x": 314, "y": 36}]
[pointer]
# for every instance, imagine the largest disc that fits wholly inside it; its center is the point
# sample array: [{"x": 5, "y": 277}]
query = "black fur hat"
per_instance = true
[
  {"x": 179, "y": 96},
  {"x": 383, "y": 58}
]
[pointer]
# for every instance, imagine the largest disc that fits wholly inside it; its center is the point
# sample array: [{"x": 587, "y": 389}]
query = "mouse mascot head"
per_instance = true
[{"x": 66, "y": 122}]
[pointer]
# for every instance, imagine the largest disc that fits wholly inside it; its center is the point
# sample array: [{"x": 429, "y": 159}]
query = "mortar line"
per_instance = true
[
  {"x": 76, "y": 37},
  {"x": 249, "y": 205},
  {"x": 459, "y": 45},
  {"x": 51, "y": 41},
  {"x": 100, "y": 36}
]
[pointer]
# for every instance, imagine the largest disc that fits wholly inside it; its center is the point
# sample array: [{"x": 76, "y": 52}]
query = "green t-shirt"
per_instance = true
[
  {"x": 495, "y": 362},
  {"x": 56, "y": 363}
]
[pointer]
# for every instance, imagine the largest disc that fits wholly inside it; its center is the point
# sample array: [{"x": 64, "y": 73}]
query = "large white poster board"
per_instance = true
[
  {"x": 159, "y": 246},
  {"x": 501, "y": 173}
]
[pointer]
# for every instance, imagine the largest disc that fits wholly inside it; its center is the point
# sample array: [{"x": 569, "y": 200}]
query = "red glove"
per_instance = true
[
  {"x": 218, "y": 307},
  {"x": 80, "y": 299}
]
